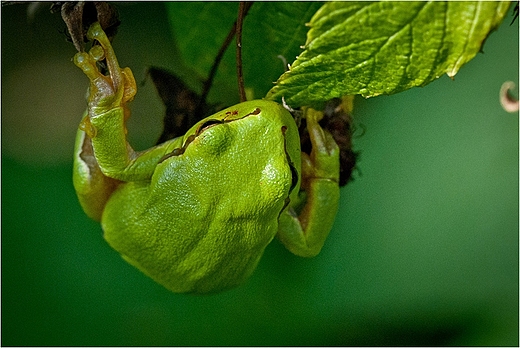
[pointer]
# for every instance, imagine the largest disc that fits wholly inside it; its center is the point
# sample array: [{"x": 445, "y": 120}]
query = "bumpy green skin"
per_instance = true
[{"x": 196, "y": 213}]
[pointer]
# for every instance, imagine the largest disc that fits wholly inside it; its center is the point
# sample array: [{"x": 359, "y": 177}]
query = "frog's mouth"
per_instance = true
[{"x": 201, "y": 128}]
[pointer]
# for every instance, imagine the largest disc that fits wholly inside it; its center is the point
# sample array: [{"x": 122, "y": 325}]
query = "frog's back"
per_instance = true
[{"x": 204, "y": 220}]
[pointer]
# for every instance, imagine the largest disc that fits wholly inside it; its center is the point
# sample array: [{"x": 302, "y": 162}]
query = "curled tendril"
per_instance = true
[
  {"x": 285, "y": 65},
  {"x": 508, "y": 102}
]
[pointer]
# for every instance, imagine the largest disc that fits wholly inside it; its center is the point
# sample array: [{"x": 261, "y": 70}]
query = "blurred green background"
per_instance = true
[{"x": 424, "y": 250}]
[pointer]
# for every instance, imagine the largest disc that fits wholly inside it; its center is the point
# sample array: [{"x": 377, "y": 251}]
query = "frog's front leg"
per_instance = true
[
  {"x": 103, "y": 157},
  {"x": 92, "y": 187},
  {"x": 304, "y": 233},
  {"x": 108, "y": 112},
  {"x": 108, "y": 95}
]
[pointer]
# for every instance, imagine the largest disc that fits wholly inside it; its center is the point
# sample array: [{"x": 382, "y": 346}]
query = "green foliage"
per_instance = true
[
  {"x": 424, "y": 251},
  {"x": 367, "y": 48},
  {"x": 271, "y": 29},
  {"x": 373, "y": 48}
]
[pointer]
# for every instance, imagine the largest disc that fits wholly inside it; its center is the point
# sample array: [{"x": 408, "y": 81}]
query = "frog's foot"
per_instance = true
[
  {"x": 106, "y": 92},
  {"x": 323, "y": 162},
  {"x": 304, "y": 233}
]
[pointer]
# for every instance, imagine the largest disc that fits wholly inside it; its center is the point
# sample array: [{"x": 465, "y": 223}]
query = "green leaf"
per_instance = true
[
  {"x": 270, "y": 29},
  {"x": 199, "y": 29},
  {"x": 374, "y": 48}
]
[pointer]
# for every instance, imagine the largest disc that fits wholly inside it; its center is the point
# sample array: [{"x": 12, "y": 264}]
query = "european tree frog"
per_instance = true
[{"x": 195, "y": 213}]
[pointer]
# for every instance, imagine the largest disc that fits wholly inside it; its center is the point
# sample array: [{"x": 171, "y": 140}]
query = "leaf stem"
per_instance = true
[
  {"x": 240, "y": 19},
  {"x": 218, "y": 58}
]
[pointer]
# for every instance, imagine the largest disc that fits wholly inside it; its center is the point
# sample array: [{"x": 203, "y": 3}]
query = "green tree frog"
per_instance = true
[{"x": 195, "y": 213}]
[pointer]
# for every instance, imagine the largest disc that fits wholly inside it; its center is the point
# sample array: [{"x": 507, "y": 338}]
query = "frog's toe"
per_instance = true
[
  {"x": 95, "y": 32},
  {"x": 130, "y": 87},
  {"x": 97, "y": 53},
  {"x": 81, "y": 58},
  {"x": 85, "y": 62}
]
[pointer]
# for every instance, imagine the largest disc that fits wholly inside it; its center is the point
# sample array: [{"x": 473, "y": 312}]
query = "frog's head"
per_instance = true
[{"x": 254, "y": 139}]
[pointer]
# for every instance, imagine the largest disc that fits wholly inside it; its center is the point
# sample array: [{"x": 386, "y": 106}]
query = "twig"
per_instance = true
[
  {"x": 218, "y": 58},
  {"x": 240, "y": 76}
]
